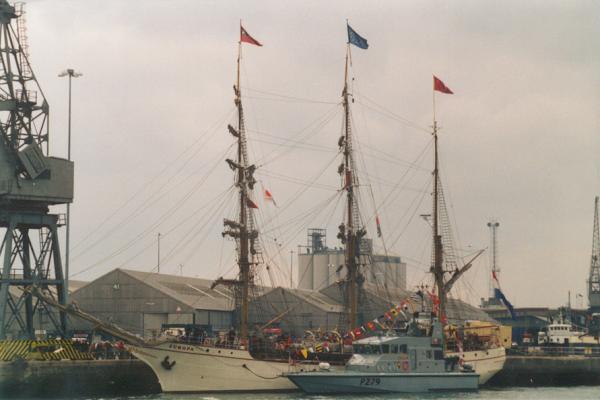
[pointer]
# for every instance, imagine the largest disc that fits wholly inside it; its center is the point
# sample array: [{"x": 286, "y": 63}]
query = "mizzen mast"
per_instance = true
[
  {"x": 437, "y": 267},
  {"x": 444, "y": 258}
]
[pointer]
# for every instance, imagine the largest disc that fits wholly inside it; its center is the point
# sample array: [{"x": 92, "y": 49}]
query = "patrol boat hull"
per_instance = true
[
  {"x": 193, "y": 368},
  {"x": 351, "y": 382}
]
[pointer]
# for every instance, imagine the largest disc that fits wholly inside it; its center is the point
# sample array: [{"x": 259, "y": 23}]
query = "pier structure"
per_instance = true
[{"x": 30, "y": 182}]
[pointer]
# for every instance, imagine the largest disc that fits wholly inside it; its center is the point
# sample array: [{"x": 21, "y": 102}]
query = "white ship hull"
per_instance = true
[
  {"x": 486, "y": 363},
  {"x": 196, "y": 368},
  {"x": 209, "y": 369}
]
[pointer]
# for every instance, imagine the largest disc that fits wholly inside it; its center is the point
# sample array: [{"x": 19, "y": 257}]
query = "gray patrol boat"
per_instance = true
[{"x": 412, "y": 362}]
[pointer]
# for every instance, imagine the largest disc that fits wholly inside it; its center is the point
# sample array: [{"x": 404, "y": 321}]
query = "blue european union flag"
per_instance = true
[{"x": 356, "y": 39}]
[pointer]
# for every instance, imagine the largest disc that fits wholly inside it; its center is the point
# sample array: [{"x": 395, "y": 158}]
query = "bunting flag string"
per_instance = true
[{"x": 380, "y": 323}]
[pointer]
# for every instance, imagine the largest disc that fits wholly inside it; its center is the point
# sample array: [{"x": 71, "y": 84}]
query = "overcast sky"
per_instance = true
[{"x": 519, "y": 139}]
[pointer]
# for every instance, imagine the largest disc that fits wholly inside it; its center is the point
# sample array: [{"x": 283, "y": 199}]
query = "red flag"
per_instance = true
[
  {"x": 245, "y": 37},
  {"x": 269, "y": 197},
  {"x": 440, "y": 86},
  {"x": 251, "y": 204},
  {"x": 378, "y": 225}
]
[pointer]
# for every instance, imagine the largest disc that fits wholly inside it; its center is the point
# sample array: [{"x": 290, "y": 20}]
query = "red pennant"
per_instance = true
[
  {"x": 251, "y": 204},
  {"x": 245, "y": 37},
  {"x": 269, "y": 197},
  {"x": 439, "y": 86}
]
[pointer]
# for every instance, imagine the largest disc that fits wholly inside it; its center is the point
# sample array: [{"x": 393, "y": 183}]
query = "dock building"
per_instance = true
[
  {"x": 144, "y": 303},
  {"x": 320, "y": 266}
]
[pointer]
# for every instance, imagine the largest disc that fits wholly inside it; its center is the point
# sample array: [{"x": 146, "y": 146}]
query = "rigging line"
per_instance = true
[
  {"x": 300, "y": 227},
  {"x": 300, "y": 192},
  {"x": 291, "y": 221},
  {"x": 151, "y": 244},
  {"x": 391, "y": 113},
  {"x": 311, "y": 129},
  {"x": 454, "y": 226},
  {"x": 304, "y": 226},
  {"x": 149, "y": 229},
  {"x": 144, "y": 186},
  {"x": 404, "y": 175},
  {"x": 294, "y": 146},
  {"x": 283, "y": 100},
  {"x": 366, "y": 177},
  {"x": 210, "y": 222},
  {"x": 287, "y": 139},
  {"x": 308, "y": 218},
  {"x": 216, "y": 210},
  {"x": 393, "y": 117},
  {"x": 392, "y": 158},
  {"x": 298, "y": 181},
  {"x": 174, "y": 228},
  {"x": 410, "y": 219},
  {"x": 145, "y": 205},
  {"x": 289, "y": 97},
  {"x": 374, "y": 203}
]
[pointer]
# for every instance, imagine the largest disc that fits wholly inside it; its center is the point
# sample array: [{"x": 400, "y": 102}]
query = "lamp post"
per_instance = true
[{"x": 71, "y": 74}]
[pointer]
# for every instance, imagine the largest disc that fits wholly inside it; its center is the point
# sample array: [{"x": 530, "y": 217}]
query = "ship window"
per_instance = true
[
  {"x": 403, "y": 349},
  {"x": 394, "y": 348},
  {"x": 428, "y": 354},
  {"x": 385, "y": 348},
  {"x": 375, "y": 349},
  {"x": 438, "y": 354}
]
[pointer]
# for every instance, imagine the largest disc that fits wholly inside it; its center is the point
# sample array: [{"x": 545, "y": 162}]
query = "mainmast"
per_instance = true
[
  {"x": 350, "y": 231},
  {"x": 242, "y": 230}
]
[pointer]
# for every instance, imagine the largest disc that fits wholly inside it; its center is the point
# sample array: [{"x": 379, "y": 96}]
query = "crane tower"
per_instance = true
[
  {"x": 30, "y": 182},
  {"x": 594, "y": 278},
  {"x": 492, "y": 301}
]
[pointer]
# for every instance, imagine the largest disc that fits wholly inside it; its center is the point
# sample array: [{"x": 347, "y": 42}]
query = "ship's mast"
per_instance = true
[
  {"x": 241, "y": 230},
  {"x": 437, "y": 267},
  {"x": 442, "y": 237},
  {"x": 351, "y": 233},
  {"x": 243, "y": 261}
]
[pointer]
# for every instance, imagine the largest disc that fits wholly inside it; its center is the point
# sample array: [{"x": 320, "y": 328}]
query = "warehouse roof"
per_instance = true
[{"x": 193, "y": 292}]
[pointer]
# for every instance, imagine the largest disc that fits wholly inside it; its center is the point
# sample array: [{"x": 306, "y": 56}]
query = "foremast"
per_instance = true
[
  {"x": 241, "y": 230},
  {"x": 350, "y": 231}
]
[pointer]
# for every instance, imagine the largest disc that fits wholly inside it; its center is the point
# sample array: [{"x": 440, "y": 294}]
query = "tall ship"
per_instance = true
[{"x": 192, "y": 367}]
